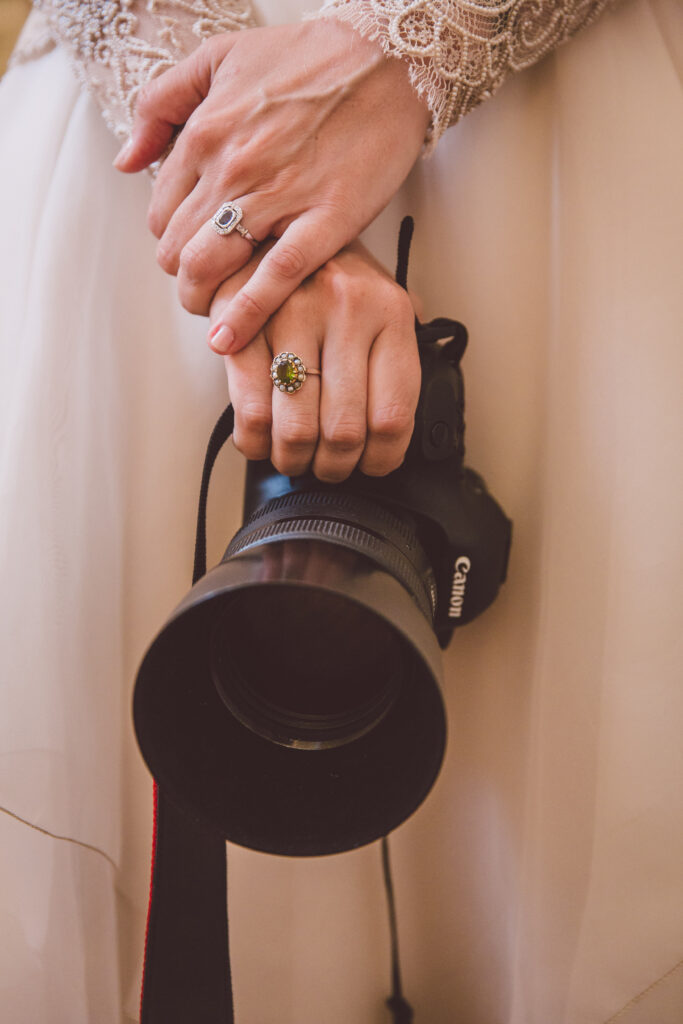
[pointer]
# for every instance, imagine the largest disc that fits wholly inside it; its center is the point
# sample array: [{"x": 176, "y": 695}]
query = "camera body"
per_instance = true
[
  {"x": 293, "y": 701},
  {"x": 433, "y": 508}
]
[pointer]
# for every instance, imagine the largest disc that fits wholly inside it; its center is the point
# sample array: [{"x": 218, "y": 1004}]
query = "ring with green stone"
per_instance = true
[{"x": 288, "y": 373}]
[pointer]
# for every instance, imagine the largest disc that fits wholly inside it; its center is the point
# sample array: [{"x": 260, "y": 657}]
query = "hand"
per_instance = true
[
  {"x": 309, "y": 127},
  {"x": 356, "y": 325}
]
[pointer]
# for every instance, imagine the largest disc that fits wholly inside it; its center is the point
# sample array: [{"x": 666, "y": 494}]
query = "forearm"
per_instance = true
[
  {"x": 460, "y": 51},
  {"x": 118, "y": 46}
]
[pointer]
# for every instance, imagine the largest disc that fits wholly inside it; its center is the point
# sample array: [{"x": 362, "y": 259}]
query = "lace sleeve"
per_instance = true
[
  {"x": 116, "y": 46},
  {"x": 460, "y": 51}
]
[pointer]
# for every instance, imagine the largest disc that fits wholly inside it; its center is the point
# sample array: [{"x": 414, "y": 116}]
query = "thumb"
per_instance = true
[{"x": 165, "y": 103}]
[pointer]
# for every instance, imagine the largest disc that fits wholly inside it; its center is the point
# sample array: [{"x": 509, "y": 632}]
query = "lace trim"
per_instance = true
[
  {"x": 116, "y": 46},
  {"x": 461, "y": 51}
]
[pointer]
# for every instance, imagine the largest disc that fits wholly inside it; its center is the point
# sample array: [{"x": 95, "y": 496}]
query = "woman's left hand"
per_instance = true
[
  {"x": 310, "y": 128},
  {"x": 351, "y": 321}
]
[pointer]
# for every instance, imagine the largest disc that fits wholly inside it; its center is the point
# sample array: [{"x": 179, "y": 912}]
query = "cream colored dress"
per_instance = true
[{"x": 541, "y": 881}]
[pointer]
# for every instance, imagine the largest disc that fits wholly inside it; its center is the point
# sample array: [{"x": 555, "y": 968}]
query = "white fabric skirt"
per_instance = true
[{"x": 541, "y": 881}]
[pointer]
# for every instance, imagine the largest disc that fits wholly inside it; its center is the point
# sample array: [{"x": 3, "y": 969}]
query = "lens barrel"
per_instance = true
[
  {"x": 293, "y": 701},
  {"x": 313, "y": 670}
]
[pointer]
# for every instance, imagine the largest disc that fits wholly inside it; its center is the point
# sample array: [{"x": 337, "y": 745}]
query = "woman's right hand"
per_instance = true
[
  {"x": 351, "y": 321},
  {"x": 309, "y": 127}
]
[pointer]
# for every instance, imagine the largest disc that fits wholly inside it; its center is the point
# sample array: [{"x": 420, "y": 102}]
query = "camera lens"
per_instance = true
[
  {"x": 293, "y": 659},
  {"x": 293, "y": 702},
  {"x": 305, "y": 668}
]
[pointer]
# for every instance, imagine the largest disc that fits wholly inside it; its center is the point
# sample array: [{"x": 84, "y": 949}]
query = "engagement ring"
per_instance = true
[{"x": 228, "y": 219}]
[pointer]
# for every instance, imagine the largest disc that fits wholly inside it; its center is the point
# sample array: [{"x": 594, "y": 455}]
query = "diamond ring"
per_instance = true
[
  {"x": 227, "y": 219},
  {"x": 287, "y": 372}
]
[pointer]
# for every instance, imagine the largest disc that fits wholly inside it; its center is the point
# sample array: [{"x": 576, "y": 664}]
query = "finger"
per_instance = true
[
  {"x": 393, "y": 391},
  {"x": 167, "y": 102},
  {"x": 343, "y": 400},
  {"x": 250, "y": 394},
  {"x": 296, "y": 416},
  {"x": 176, "y": 184},
  {"x": 305, "y": 245},
  {"x": 226, "y": 292},
  {"x": 181, "y": 171},
  {"x": 210, "y": 258}
]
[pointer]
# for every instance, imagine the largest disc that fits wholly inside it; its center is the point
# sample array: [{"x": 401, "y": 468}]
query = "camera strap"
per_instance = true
[{"x": 186, "y": 974}]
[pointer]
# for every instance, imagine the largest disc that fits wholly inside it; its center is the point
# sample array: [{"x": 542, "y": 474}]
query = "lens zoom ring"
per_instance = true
[
  {"x": 339, "y": 504},
  {"x": 348, "y": 536}
]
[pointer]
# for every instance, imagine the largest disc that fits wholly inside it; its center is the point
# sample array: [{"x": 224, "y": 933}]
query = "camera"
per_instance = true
[{"x": 293, "y": 701}]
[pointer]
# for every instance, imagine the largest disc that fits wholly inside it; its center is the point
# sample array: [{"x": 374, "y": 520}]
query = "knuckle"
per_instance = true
[
  {"x": 391, "y": 422},
  {"x": 196, "y": 135},
  {"x": 334, "y": 276},
  {"x": 344, "y": 437},
  {"x": 297, "y": 434},
  {"x": 193, "y": 300},
  {"x": 401, "y": 305},
  {"x": 398, "y": 309},
  {"x": 255, "y": 418},
  {"x": 287, "y": 261},
  {"x": 330, "y": 475},
  {"x": 248, "y": 305},
  {"x": 349, "y": 292},
  {"x": 237, "y": 168},
  {"x": 381, "y": 466},
  {"x": 288, "y": 466},
  {"x": 167, "y": 258},
  {"x": 155, "y": 222},
  {"x": 337, "y": 210},
  {"x": 252, "y": 448},
  {"x": 254, "y": 452},
  {"x": 196, "y": 263}
]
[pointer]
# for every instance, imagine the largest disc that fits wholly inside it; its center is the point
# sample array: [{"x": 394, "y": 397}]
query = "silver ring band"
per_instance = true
[{"x": 227, "y": 219}]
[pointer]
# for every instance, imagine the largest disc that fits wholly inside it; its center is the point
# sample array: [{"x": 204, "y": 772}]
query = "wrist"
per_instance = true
[{"x": 368, "y": 34}]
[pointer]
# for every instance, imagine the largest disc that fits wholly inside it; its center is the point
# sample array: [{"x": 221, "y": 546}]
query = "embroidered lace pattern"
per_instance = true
[
  {"x": 460, "y": 51},
  {"x": 116, "y": 46}
]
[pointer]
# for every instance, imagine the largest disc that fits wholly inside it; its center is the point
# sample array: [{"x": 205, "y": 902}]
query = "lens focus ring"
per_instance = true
[{"x": 352, "y": 522}]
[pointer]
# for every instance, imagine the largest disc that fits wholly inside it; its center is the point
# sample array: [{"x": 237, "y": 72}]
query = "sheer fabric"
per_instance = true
[
  {"x": 117, "y": 46},
  {"x": 459, "y": 52},
  {"x": 541, "y": 880}
]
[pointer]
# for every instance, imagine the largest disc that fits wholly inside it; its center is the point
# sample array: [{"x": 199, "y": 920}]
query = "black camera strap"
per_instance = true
[{"x": 186, "y": 974}]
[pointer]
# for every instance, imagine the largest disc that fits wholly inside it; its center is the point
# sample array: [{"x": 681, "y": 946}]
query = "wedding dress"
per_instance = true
[{"x": 541, "y": 881}]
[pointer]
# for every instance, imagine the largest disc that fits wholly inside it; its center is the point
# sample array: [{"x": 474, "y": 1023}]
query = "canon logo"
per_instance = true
[{"x": 460, "y": 569}]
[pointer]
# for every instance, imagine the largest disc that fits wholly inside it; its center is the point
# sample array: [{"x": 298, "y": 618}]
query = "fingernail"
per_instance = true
[
  {"x": 123, "y": 153},
  {"x": 221, "y": 338}
]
